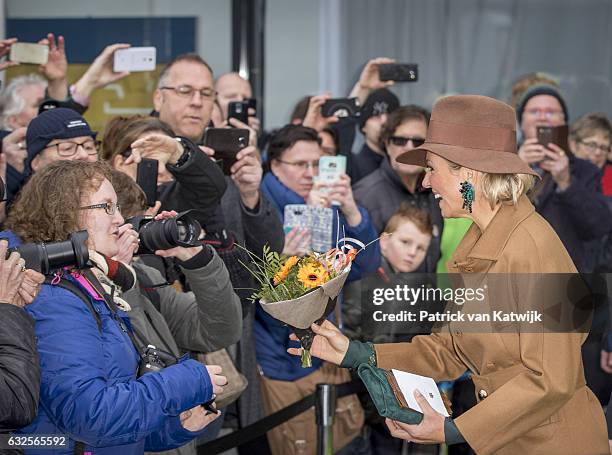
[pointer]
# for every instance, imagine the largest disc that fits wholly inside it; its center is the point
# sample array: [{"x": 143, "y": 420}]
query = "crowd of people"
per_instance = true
[{"x": 78, "y": 348}]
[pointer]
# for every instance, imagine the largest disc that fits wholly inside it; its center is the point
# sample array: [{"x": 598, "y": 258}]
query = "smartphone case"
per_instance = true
[
  {"x": 146, "y": 178},
  {"x": 398, "y": 72},
  {"x": 226, "y": 142},
  {"x": 319, "y": 220},
  {"x": 36, "y": 54},
  {"x": 238, "y": 110},
  {"x": 134, "y": 59}
]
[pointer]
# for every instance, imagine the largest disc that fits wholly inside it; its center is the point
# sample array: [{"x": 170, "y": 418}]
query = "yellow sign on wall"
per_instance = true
[{"x": 129, "y": 96}]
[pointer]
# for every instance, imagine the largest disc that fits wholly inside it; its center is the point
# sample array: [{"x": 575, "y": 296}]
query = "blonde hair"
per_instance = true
[
  {"x": 502, "y": 188},
  {"x": 505, "y": 188}
]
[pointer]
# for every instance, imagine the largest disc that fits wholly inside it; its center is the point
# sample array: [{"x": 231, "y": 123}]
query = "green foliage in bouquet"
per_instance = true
[{"x": 287, "y": 277}]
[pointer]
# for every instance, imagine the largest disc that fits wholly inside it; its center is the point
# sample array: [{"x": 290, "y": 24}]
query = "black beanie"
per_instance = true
[
  {"x": 381, "y": 101},
  {"x": 540, "y": 89}
]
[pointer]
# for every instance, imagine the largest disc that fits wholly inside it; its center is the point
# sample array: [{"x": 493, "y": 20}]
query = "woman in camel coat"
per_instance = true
[{"x": 530, "y": 387}]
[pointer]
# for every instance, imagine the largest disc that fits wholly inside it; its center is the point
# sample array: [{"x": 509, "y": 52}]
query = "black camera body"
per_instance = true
[
  {"x": 47, "y": 257},
  {"x": 182, "y": 230},
  {"x": 340, "y": 107},
  {"x": 153, "y": 359}
]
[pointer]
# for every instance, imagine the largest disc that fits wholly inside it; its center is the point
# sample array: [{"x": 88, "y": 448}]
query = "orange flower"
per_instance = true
[
  {"x": 285, "y": 269},
  {"x": 312, "y": 274}
]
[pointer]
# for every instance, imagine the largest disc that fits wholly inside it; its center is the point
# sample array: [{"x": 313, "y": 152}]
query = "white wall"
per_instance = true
[{"x": 291, "y": 56}]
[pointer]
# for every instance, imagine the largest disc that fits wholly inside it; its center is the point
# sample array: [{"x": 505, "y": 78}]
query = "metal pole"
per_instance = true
[{"x": 325, "y": 408}]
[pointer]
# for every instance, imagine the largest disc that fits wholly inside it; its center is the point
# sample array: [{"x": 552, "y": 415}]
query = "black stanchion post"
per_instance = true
[{"x": 325, "y": 408}]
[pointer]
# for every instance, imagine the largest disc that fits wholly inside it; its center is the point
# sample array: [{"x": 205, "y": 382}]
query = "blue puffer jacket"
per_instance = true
[
  {"x": 272, "y": 336},
  {"x": 89, "y": 389}
]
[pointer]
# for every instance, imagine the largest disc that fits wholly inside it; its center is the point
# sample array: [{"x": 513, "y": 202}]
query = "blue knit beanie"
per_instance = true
[{"x": 59, "y": 123}]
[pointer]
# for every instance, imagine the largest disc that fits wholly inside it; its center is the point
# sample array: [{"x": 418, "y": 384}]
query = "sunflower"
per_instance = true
[
  {"x": 285, "y": 269},
  {"x": 312, "y": 274}
]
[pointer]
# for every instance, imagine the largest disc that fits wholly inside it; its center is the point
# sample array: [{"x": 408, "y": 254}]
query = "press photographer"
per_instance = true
[{"x": 88, "y": 355}]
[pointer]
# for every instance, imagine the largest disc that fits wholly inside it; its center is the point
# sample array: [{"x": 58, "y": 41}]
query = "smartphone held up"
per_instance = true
[
  {"x": 134, "y": 59},
  {"x": 36, "y": 54},
  {"x": 226, "y": 142},
  {"x": 398, "y": 72}
]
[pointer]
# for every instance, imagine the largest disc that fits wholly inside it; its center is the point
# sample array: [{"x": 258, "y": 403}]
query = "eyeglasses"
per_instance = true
[
  {"x": 546, "y": 113},
  {"x": 69, "y": 148},
  {"x": 187, "y": 91},
  {"x": 109, "y": 207},
  {"x": 592, "y": 146},
  {"x": 302, "y": 165},
  {"x": 401, "y": 141}
]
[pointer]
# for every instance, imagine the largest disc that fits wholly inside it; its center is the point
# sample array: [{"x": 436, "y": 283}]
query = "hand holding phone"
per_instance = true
[
  {"x": 238, "y": 110},
  {"x": 330, "y": 170},
  {"x": 226, "y": 142},
  {"x": 553, "y": 135}
]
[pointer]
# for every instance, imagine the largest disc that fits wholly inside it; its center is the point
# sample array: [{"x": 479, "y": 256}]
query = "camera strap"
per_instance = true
[
  {"x": 112, "y": 306},
  {"x": 80, "y": 293}
]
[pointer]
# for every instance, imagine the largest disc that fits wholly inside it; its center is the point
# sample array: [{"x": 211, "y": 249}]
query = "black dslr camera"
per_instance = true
[
  {"x": 153, "y": 359},
  {"x": 182, "y": 230},
  {"x": 47, "y": 257}
]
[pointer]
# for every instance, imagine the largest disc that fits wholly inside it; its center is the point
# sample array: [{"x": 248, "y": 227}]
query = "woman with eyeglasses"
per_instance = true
[
  {"x": 590, "y": 138},
  {"x": 293, "y": 160},
  {"x": 90, "y": 391}
]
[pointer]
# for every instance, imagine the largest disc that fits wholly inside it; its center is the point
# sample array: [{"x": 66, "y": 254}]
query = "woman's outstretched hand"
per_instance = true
[{"x": 329, "y": 343}]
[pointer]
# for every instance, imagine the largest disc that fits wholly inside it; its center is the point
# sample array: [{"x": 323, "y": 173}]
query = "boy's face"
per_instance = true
[{"x": 406, "y": 248}]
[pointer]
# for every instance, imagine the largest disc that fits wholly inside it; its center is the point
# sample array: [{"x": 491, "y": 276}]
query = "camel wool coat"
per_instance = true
[{"x": 530, "y": 387}]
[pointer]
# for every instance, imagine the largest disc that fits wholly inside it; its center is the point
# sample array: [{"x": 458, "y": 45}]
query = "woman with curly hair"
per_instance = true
[{"x": 90, "y": 390}]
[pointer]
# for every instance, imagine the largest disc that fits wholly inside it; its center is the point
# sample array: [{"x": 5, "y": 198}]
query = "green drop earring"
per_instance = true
[{"x": 467, "y": 193}]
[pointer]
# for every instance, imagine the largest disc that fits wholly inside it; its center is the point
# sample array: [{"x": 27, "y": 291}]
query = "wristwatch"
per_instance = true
[{"x": 186, "y": 152}]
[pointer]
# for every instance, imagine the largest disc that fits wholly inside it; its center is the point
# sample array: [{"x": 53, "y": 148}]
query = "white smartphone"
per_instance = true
[
  {"x": 134, "y": 59},
  {"x": 37, "y": 54},
  {"x": 330, "y": 170}
]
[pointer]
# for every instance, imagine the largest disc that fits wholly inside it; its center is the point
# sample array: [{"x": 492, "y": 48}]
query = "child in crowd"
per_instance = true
[{"x": 403, "y": 243}]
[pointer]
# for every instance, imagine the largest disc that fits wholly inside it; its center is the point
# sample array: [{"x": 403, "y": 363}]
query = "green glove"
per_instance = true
[{"x": 377, "y": 382}]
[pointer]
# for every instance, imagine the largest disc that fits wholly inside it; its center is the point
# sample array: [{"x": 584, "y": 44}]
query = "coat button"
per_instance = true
[{"x": 482, "y": 394}]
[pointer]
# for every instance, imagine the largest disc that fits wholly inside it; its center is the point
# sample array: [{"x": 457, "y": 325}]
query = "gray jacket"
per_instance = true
[
  {"x": 204, "y": 320},
  {"x": 252, "y": 229}
]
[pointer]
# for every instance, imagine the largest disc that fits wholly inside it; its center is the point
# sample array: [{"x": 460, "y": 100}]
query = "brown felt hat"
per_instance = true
[{"x": 472, "y": 131}]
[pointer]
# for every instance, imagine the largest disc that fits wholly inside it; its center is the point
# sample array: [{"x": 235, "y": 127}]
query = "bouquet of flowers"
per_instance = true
[{"x": 300, "y": 291}]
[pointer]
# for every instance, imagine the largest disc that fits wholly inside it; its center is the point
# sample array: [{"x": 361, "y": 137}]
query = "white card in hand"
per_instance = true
[{"x": 409, "y": 382}]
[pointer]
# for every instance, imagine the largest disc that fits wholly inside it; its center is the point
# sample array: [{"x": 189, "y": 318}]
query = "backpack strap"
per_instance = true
[{"x": 80, "y": 293}]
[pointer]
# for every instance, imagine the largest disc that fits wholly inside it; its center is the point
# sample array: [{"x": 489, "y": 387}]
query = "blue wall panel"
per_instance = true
[{"x": 85, "y": 38}]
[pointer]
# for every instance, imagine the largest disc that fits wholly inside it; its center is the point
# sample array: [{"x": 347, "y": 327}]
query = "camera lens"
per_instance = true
[
  {"x": 184, "y": 230},
  {"x": 47, "y": 257}
]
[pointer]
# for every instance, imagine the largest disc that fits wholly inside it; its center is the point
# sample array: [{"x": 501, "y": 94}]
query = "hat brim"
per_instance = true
[{"x": 483, "y": 160}]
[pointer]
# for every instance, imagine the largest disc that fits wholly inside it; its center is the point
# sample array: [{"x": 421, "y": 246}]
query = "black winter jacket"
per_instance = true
[
  {"x": 19, "y": 368},
  {"x": 578, "y": 214}
]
